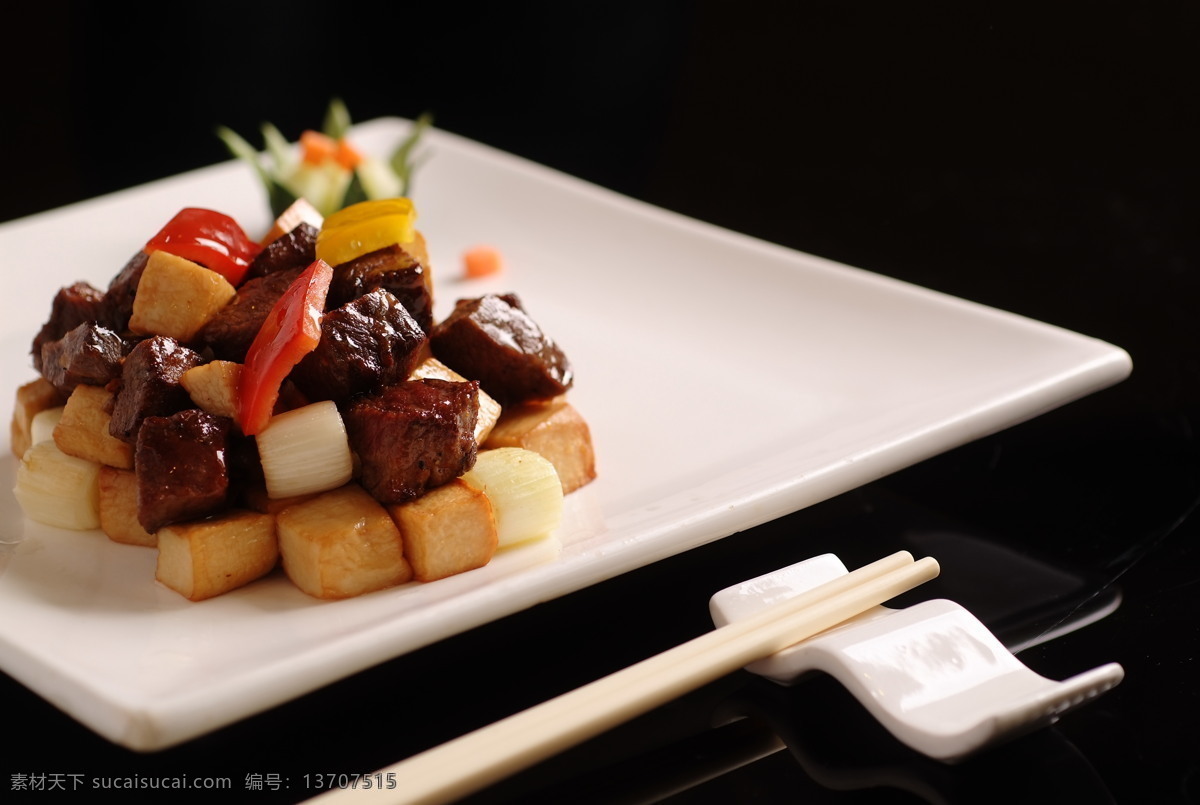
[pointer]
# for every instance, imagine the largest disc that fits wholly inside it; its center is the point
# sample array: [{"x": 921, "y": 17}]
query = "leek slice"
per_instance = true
[
  {"x": 524, "y": 490},
  {"x": 305, "y": 451},
  {"x": 58, "y": 490},
  {"x": 41, "y": 428}
]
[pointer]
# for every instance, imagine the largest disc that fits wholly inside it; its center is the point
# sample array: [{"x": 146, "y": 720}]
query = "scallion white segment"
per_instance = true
[
  {"x": 58, "y": 490},
  {"x": 524, "y": 490},
  {"x": 305, "y": 451},
  {"x": 41, "y": 427}
]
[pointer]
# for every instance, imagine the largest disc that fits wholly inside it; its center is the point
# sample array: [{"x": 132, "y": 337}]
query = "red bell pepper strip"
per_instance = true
[
  {"x": 290, "y": 331},
  {"x": 212, "y": 239}
]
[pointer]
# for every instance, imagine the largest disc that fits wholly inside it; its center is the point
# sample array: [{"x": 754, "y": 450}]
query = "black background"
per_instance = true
[{"x": 1041, "y": 159}]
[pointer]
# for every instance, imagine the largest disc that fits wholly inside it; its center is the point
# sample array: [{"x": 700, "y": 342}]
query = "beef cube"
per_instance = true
[
  {"x": 365, "y": 344},
  {"x": 493, "y": 340},
  {"x": 149, "y": 384},
  {"x": 89, "y": 354},
  {"x": 231, "y": 331},
  {"x": 392, "y": 268},
  {"x": 414, "y": 436},
  {"x": 296, "y": 249},
  {"x": 241, "y": 456},
  {"x": 118, "y": 299},
  {"x": 180, "y": 464},
  {"x": 73, "y": 305}
]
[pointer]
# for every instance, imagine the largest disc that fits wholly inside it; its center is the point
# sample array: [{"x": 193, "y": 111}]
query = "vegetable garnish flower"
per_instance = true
[{"x": 326, "y": 169}]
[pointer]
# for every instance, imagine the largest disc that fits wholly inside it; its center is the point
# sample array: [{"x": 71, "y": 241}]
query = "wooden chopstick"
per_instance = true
[{"x": 489, "y": 754}]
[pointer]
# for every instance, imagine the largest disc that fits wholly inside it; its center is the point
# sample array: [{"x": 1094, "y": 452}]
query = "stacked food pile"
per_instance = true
[{"x": 243, "y": 404}]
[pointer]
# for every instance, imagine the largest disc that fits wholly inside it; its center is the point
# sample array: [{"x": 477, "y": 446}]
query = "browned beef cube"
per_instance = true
[
  {"x": 231, "y": 331},
  {"x": 493, "y": 340},
  {"x": 365, "y": 344},
  {"x": 245, "y": 468},
  {"x": 149, "y": 384},
  {"x": 73, "y": 305},
  {"x": 414, "y": 436},
  {"x": 296, "y": 249},
  {"x": 391, "y": 268},
  {"x": 87, "y": 354},
  {"x": 180, "y": 464},
  {"x": 118, "y": 299}
]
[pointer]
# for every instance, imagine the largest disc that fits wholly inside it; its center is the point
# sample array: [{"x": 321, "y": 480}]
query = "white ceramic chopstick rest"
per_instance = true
[{"x": 932, "y": 674}]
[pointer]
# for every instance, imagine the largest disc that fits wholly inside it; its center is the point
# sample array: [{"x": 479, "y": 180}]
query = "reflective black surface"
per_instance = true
[{"x": 1043, "y": 162}]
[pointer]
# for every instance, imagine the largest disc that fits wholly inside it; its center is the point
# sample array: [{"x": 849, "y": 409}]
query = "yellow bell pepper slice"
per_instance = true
[{"x": 365, "y": 227}]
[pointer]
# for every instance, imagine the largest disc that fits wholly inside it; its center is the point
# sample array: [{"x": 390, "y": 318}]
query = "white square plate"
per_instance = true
[{"x": 727, "y": 382}]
